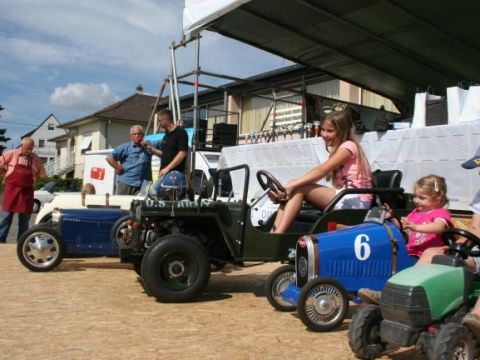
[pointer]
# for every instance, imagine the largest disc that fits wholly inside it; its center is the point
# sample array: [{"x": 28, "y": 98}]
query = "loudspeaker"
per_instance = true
[{"x": 224, "y": 134}]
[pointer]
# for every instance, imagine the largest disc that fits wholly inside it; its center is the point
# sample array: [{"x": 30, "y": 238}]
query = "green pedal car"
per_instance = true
[{"x": 424, "y": 306}]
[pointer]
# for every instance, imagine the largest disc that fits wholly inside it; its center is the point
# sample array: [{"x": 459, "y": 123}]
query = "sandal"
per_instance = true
[{"x": 369, "y": 296}]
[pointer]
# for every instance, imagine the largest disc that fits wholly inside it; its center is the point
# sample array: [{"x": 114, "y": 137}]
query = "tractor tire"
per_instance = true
[
  {"x": 364, "y": 333},
  {"x": 322, "y": 304},
  {"x": 277, "y": 282},
  {"x": 455, "y": 341},
  {"x": 175, "y": 268},
  {"x": 40, "y": 248}
]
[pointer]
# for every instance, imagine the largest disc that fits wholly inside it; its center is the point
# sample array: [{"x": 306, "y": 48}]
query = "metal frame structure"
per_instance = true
[{"x": 175, "y": 79}]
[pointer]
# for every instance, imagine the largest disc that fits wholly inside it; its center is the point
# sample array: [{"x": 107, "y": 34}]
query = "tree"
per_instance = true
[{"x": 3, "y": 138}]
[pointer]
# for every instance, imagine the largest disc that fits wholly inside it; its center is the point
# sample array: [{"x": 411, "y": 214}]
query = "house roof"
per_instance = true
[
  {"x": 136, "y": 108},
  {"x": 30, "y": 133},
  {"x": 388, "y": 46}
]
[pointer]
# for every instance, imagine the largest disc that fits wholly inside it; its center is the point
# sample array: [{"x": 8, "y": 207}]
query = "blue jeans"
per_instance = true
[
  {"x": 173, "y": 180},
  {"x": 6, "y": 218}
]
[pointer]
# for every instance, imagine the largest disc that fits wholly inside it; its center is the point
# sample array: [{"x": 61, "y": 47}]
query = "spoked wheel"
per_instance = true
[
  {"x": 322, "y": 304},
  {"x": 40, "y": 248},
  {"x": 455, "y": 341},
  {"x": 277, "y": 283},
  {"x": 175, "y": 268},
  {"x": 364, "y": 333},
  {"x": 117, "y": 235}
]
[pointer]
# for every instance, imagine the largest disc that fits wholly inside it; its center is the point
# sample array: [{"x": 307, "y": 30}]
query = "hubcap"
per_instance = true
[
  {"x": 40, "y": 249},
  {"x": 281, "y": 284},
  {"x": 324, "y": 304},
  {"x": 178, "y": 270}
]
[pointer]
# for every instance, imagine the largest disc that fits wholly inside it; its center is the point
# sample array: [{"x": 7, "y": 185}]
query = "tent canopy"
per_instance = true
[{"x": 391, "y": 47}]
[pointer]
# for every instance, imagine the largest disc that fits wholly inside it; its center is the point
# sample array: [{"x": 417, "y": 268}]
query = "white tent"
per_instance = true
[{"x": 198, "y": 13}]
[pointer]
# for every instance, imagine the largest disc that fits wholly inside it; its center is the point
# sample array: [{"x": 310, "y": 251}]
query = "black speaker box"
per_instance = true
[{"x": 224, "y": 134}]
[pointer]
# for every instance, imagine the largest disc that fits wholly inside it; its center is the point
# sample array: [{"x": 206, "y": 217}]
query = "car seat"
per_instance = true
[{"x": 388, "y": 179}]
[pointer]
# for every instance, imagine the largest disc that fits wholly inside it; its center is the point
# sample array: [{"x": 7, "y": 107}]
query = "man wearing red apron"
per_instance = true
[{"x": 21, "y": 167}]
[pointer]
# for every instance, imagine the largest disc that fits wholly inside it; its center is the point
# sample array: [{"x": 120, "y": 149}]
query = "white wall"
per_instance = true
[{"x": 42, "y": 134}]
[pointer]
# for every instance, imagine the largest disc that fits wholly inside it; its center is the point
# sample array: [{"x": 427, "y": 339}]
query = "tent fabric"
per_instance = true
[
  {"x": 391, "y": 47},
  {"x": 198, "y": 13},
  {"x": 415, "y": 152}
]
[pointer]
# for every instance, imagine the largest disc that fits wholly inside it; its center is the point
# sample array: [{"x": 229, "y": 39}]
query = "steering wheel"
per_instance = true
[
  {"x": 268, "y": 182},
  {"x": 460, "y": 249}
]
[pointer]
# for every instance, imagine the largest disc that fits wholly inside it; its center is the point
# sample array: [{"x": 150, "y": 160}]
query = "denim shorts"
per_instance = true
[{"x": 352, "y": 201}]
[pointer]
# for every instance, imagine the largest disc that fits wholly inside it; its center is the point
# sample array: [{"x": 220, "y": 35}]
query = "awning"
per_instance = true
[
  {"x": 86, "y": 142},
  {"x": 391, "y": 47}
]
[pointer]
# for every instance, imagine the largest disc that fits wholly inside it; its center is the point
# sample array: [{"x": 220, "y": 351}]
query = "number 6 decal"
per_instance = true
[{"x": 362, "y": 247}]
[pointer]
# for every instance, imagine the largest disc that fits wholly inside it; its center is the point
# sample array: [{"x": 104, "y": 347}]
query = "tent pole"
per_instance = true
[{"x": 195, "y": 100}]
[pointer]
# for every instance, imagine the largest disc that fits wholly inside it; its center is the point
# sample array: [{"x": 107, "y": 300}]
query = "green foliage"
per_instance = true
[{"x": 62, "y": 184}]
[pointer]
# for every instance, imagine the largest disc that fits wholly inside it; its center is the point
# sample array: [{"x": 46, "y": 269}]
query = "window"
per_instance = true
[
  {"x": 41, "y": 143},
  {"x": 86, "y": 143},
  {"x": 51, "y": 126}
]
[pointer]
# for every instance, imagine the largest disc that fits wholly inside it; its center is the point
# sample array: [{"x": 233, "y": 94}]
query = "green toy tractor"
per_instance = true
[{"x": 424, "y": 306}]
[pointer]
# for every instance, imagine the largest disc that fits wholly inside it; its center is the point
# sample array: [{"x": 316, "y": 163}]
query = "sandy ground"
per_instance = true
[{"x": 96, "y": 309}]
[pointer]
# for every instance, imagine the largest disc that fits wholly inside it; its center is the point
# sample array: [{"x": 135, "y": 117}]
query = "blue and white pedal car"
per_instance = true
[
  {"x": 331, "y": 267},
  {"x": 72, "y": 233}
]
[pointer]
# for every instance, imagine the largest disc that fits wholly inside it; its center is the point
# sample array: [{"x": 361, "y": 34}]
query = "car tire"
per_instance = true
[
  {"x": 40, "y": 248},
  {"x": 36, "y": 206},
  {"x": 115, "y": 233},
  {"x": 175, "y": 268},
  {"x": 322, "y": 304},
  {"x": 364, "y": 333},
  {"x": 277, "y": 282},
  {"x": 455, "y": 341}
]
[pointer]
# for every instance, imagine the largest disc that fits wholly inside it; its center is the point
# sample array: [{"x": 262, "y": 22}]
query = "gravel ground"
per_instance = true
[{"x": 96, "y": 309}]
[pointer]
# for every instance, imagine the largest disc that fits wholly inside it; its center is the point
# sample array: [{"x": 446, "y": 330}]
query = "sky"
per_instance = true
[{"x": 72, "y": 58}]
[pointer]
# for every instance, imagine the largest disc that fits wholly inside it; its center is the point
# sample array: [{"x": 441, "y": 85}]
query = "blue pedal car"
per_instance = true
[
  {"x": 72, "y": 233},
  {"x": 331, "y": 267}
]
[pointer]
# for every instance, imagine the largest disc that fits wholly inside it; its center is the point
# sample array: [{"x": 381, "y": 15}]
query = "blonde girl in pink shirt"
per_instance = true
[{"x": 346, "y": 167}]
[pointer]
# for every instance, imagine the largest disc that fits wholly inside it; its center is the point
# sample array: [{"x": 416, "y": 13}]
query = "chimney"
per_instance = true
[{"x": 139, "y": 89}]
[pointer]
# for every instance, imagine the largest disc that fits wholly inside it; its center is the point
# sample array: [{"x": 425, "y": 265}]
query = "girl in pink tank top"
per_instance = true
[{"x": 346, "y": 167}]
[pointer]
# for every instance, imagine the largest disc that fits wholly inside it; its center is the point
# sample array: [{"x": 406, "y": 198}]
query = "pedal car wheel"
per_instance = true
[
  {"x": 116, "y": 233},
  {"x": 40, "y": 248},
  {"x": 322, "y": 304},
  {"x": 175, "y": 268},
  {"x": 455, "y": 341},
  {"x": 277, "y": 283},
  {"x": 364, "y": 333}
]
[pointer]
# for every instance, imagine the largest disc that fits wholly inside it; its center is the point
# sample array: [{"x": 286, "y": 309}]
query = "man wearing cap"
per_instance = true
[
  {"x": 132, "y": 162},
  {"x": 22, "y": 168}
]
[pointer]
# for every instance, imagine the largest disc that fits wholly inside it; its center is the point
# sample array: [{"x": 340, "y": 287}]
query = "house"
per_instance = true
[
  {"x": 43, "y": 134},
  {"x": 104, "y": 129}
]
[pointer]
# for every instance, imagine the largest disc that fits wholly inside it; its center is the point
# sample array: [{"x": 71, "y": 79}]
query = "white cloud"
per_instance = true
[
  {"x": 30, "y": 51},
  {"x": 82, "y": 97},
  {"x": 131, "y": 33}
]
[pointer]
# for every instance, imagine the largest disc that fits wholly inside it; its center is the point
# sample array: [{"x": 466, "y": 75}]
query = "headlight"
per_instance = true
[{"x": 56, "y": 216}]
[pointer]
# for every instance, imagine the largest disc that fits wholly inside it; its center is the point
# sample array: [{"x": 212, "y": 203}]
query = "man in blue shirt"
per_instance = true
[{"x": 132, "y": 162}]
